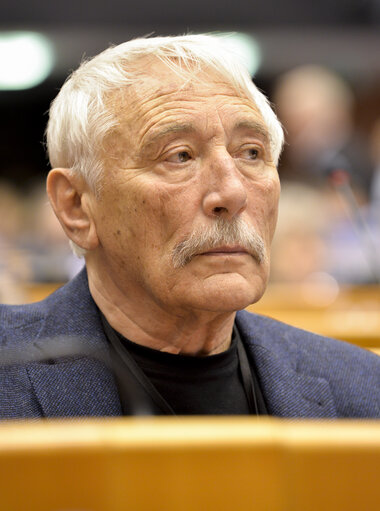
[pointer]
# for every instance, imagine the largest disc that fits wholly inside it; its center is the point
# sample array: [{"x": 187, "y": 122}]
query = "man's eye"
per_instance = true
[
  {"x": 251, "y": 153},
  {"x": 180, "y": 157},
  {"x": 184, "y": 156}
]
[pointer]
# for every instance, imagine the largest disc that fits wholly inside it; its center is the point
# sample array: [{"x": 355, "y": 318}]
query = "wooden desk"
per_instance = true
[
  {"x": 351, "y": 313},
  {"x": 357, "y": 327},
  {"x": 192, "y": 464},
  {"x": 310, "y": 296},
  {"x": 35, "y": 291}
]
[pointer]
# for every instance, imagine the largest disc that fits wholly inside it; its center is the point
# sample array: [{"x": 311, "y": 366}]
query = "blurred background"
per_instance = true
[{"x": 318, "y": 62}]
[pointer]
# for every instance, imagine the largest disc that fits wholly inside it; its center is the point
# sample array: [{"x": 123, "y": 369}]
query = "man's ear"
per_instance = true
[{"x": 71, "y": 200}]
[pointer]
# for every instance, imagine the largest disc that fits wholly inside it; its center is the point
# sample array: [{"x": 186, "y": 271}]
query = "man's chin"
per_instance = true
[{"x": 229, "y": 292}]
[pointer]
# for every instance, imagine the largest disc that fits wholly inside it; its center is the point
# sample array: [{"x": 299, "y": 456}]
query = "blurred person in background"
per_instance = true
[
  {"x": 368, "y": 120},
  {"x": 50, "y": 258},
  {"x": 370, "y": 124},
  {"x": 316, "y": 107},
  {"x": 299, "y": 248},
  {"x": 374, "y": 143},
  {"x": 164, "y": 178},
  {"x": 33, "y": 247},
  {"x": 14, "y": 266}
]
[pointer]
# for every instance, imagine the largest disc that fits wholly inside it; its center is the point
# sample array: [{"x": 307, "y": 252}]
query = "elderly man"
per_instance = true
[{"x": 165, "y": 180}]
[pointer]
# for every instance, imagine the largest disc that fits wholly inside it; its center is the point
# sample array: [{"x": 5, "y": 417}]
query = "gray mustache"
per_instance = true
[{"x": 221, "y": 232}]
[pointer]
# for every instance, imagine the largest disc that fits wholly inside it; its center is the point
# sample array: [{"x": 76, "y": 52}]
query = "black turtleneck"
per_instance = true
[{"x": 182, "y": 384}]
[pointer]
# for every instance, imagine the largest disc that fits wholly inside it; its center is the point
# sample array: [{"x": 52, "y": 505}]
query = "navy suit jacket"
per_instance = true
[{"x": 54, "y": 363}]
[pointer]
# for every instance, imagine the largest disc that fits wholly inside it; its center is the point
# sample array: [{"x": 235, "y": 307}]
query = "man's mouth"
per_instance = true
[{"x": 225, "y": 250}]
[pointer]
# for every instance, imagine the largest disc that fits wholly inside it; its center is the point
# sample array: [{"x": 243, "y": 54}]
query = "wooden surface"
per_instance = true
[
  {"x": 192, "y": 464},
  {"x": 35, "y": 291},
  {"x": 358, "y": 327},
  {"x": 349, "y": 313}
]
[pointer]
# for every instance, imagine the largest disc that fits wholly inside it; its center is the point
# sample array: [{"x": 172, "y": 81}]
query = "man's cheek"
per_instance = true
[
  {"x": 168, "y": 208},
  {"x": 272, "y": 200}
]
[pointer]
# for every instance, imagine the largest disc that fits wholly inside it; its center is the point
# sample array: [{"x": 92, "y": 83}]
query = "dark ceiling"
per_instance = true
[
  {"x": 182, "y": 15},
  {"x": 342, "y": 34}
]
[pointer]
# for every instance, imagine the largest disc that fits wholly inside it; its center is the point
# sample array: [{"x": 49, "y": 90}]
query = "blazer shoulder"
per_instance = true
[
  {"x": 282, "y": 338},
  {"x": 353, "y": 373},
  {"x": 25, "y": 320},
  {"x": 14, "y": 319}
]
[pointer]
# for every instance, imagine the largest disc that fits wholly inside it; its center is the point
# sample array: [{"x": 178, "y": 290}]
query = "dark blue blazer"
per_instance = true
[{"x": 54, "y": 363}]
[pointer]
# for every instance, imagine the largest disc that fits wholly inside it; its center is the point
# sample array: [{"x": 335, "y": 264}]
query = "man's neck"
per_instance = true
[{"x": 198, "y": 333}]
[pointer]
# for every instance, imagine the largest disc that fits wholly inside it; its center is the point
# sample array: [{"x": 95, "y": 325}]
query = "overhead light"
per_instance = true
[
  {"x": 244, "y": 46},
  {"x": 26, "y": 59}
]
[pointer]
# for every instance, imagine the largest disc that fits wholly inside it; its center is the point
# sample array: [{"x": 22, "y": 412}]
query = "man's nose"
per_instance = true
[{"x": 225, "y": 194}]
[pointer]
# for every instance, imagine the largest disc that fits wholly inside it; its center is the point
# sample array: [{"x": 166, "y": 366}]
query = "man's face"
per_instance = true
[{"x": 183, "y": 159}]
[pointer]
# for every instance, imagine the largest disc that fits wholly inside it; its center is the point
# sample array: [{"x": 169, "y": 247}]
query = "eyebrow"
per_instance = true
[
  {"x": 159, "y": 134},
  {"x": 167, "y": 130},
  {"x": 255, "y": 126}
]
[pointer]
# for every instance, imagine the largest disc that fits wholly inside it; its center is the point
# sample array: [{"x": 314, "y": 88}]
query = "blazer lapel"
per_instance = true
[
  {"x": 287, "y": 392},
  {"x": 79, "y": 387}
]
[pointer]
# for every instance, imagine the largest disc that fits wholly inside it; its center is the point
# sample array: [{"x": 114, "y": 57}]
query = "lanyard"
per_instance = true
[
  {"x": 246, "y": 374},
  {"x": 139, "y": 396}
]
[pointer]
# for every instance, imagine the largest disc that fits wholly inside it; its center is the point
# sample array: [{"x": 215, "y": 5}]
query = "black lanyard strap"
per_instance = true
[
  {"x": 246, "y": 374},
  {"x": 141, "y": 403}
]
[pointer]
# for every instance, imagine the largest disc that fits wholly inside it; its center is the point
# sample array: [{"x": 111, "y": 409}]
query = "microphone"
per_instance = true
[{"x": 336, "y": 167}]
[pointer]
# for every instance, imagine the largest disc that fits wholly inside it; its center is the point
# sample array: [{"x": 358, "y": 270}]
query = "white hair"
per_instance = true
[{"x": 80, "y": 116}]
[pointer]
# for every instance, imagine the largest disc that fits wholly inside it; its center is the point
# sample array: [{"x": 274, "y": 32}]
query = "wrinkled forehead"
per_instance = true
[{"x": 156, "y": 79}]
